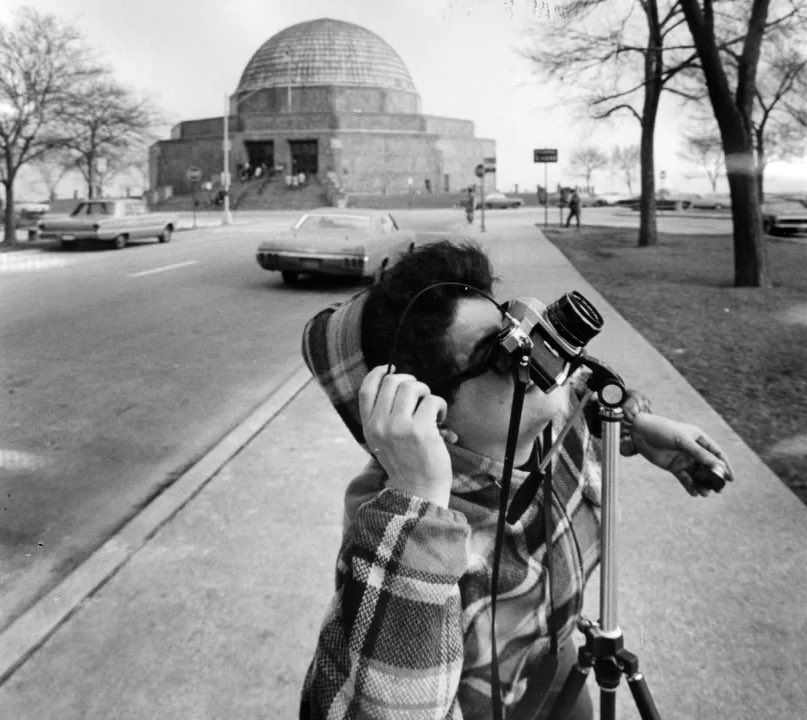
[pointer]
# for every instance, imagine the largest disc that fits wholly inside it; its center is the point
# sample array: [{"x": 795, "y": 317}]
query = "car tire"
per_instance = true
[
  {"x": 289, "y": 276},
  {"x": 120, "y": 242},
  {"x": 166, "y": 234}
]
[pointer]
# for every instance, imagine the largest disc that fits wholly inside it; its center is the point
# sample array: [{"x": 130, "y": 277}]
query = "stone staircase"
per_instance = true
[{"x": 255, "y": 194}]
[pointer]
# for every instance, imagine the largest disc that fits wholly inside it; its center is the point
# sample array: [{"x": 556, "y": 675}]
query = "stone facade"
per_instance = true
[{"x": 334, "y": 101}]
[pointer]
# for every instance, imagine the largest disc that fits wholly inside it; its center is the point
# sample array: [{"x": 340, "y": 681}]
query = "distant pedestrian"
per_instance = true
[
  {"x": 288, "y": 181},
  {"x": 469, "y": 203},
  {"x": 574, "y": 208},
  {"x": 301, "y": 179}
]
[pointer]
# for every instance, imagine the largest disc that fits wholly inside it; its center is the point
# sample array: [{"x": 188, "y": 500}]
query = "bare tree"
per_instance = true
[
  {"x": 733, "y": 109},
  {"x": 51, "y": 167},
  {"x": 103, "y": 122},
  {"x": 626, "y": 159},
  {"x": 704, "y": 149},
  {"x": 41, "y": 60},
  {"x": 586, "y": 160},
  {"x": 619, "y": 59},
  {"x": 779, "y": 96}
]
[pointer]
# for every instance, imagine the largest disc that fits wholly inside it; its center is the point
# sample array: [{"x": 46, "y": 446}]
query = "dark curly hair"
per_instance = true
[{"x": 421, "y": 348}]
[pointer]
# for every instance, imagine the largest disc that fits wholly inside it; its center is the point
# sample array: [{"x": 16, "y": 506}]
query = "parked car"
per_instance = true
[
  {"x": 784, "y": 217},
  {"x": 336, "y": 241},
  {"x": 113, "y": 220},
  {"x": 614, "y": 198},
  {"x": 498, "y": 200},
  {"x": 664, "y": 201},
  {"x": 712, "y": 202}
]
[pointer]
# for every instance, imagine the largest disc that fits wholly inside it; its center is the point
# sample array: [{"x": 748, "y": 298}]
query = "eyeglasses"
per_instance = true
[{"x": 488, "y": 355}]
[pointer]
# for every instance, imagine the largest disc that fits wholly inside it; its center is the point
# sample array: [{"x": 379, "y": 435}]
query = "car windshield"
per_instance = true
[
  {"x": 333, "y": 222},
  {"x": 94, "y": 208}
]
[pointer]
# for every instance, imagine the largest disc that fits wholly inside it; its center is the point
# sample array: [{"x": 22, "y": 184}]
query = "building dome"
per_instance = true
[{"x": 325, "y": 52}]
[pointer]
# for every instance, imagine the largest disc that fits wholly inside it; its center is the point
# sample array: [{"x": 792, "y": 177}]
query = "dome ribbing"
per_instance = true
[{"x": 325, "y": 52}]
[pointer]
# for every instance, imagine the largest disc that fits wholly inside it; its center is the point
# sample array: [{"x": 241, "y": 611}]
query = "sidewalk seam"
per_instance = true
[{"x": 25, "y": 635}]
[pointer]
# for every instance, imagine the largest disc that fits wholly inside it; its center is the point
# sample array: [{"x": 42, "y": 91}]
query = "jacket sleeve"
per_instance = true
[{"x": 391, "y": 645}]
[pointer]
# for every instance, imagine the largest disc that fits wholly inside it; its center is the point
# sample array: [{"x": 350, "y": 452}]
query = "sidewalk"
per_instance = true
[{"x": 216, "y": 616}]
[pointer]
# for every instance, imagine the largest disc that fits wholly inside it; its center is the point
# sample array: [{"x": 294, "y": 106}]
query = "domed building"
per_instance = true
[{"x": 334, "y": 101}]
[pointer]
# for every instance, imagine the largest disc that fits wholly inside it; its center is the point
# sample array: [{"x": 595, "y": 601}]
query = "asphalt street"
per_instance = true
[{"x": 120, "y": 369}]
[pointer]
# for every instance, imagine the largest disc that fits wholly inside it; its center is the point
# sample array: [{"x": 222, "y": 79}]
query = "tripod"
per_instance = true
[{"x": 604, "y": 649}]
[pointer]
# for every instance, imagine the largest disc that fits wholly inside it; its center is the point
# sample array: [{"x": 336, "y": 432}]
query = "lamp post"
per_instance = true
[{"x": 227, "y": 219}]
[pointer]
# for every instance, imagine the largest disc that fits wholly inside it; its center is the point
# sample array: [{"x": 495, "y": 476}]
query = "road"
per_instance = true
[{"x": 120, "y": 369}]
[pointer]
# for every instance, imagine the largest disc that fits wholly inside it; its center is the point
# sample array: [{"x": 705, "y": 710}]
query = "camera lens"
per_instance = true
[{"x": 574, "y": 318}]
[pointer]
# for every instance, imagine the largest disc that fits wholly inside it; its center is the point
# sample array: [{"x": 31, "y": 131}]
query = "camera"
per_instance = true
[{"x": 555, "y": 335}]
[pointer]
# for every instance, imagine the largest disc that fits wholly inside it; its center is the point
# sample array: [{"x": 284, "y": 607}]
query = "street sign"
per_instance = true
[
  {"x": 545, "y": 155},
  {"x": 193, "y": 173},
  {"x": 479, "y": 170},
  {"x": 489, "y": 163}
]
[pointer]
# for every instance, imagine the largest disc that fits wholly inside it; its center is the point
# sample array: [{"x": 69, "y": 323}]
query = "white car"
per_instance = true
[
  {"x": 114, "y": 220},
  {"x": 784, "y": 217},
  {"x": 343, "y": 242},
  {"x": 500, "y": 200}
]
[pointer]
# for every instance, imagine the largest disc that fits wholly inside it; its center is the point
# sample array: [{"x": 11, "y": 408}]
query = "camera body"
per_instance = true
[{"x": 555, "y": 335}]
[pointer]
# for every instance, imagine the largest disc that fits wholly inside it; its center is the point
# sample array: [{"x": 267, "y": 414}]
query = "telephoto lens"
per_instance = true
[{"x": 574, "y": 319}]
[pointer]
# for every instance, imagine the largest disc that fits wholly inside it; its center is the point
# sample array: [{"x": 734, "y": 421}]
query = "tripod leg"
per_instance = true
[
  {"x": 607, "y": 703},
  {"x": 642, "y": 697}
]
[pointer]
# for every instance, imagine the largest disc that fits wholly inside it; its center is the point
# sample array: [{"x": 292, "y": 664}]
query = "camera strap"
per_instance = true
[{"x": 541, "y": 473}]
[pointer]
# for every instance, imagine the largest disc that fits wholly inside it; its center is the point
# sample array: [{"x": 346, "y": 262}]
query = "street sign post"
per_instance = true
[
  {"x": 545, "y": 155},
  {"x": 488, "y": 166},
  {"x": 194, "y": 175}
]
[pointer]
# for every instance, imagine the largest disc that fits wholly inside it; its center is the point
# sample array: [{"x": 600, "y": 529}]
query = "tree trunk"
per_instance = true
[
  {"x": 750, "y": 251},
  {"x": 648, "y": 229},
  {"x": 9, "y": 220}
]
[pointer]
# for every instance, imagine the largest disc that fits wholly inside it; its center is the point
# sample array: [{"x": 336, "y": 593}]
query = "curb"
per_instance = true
[{"x": 29, "y": 632}]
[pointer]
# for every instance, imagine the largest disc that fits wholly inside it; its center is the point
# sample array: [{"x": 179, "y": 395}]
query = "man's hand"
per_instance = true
[
  {"x": 683, "y": 449},
  {"x": 400, "y": 418}
]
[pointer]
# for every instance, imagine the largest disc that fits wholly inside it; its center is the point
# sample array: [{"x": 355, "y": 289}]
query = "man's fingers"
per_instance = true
[
  {"x": 432, "y": 409},
  {"x": 686, "y": 480},
  {"x": 707, "y": 442},
  {"x": 369, "y": 391}
]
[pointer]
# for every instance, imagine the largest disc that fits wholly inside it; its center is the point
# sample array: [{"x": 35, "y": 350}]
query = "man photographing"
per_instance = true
[{"x": 408, "y": 633}]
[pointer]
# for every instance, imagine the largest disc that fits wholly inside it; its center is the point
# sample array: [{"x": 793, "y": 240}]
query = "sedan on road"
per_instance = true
[
  {"x": 498, "y": 200},
  {"x": 114, "y": 220},
  {"x": 784, "y": 217},
  {"x": 712, "y": 202},
  {"x": 338, "y": 242}
]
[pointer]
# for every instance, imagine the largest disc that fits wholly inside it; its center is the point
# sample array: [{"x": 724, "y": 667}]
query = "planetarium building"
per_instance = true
[{"x": 334, "y": 101}]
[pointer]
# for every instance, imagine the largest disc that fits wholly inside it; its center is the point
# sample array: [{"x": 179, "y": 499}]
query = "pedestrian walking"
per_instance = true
[
  {"x": 469, "y": 202},
  {"x": 574, "y": 208}
]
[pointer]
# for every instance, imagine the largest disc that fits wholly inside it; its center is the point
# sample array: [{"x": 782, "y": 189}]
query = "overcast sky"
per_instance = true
[{"x": 463, "y": 55}]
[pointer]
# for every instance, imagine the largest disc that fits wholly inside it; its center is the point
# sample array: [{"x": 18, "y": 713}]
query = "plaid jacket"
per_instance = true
[{"x": 407, "y": 634}]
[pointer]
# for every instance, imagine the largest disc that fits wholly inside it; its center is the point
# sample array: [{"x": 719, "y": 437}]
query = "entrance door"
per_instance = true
[
  {"x": 304, "y": 157},
  {"x": 260, "y": 152}
]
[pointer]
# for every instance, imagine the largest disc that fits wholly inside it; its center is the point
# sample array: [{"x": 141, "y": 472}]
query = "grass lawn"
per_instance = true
[{"x": 743, "y": 349}]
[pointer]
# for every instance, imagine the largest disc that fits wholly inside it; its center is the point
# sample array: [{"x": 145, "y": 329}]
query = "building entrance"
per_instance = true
[
  {"x": 304, "y": 156},
  {"x": 260, "y": 152}
]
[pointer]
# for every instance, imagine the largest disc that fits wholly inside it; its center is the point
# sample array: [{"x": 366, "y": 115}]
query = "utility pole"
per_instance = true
[{"x": 225, "y": 176}]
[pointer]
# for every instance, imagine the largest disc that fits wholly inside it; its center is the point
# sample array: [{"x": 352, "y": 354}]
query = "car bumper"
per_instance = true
[
  {"x": 68, "y": 236},
  {"x": 352, "y": 265}
]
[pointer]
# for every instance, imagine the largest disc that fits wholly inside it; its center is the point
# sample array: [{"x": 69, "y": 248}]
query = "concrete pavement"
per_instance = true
[{"x": 210, "y": 607}]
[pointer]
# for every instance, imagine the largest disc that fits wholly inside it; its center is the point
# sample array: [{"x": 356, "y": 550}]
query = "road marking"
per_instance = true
[{"x": 164, "y": 268}]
